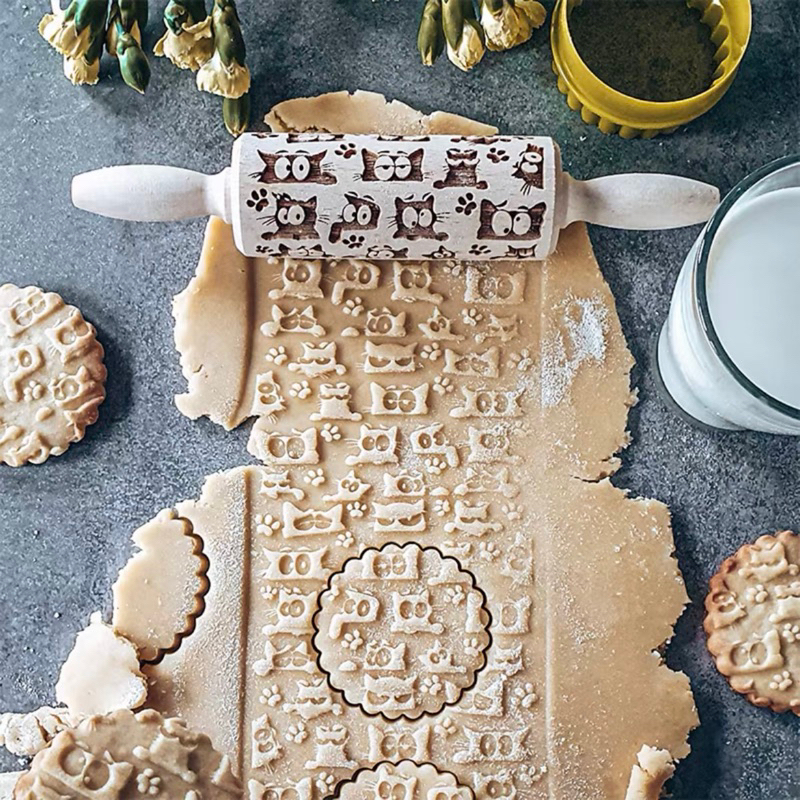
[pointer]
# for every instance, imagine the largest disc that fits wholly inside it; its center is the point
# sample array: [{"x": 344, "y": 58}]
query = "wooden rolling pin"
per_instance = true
[{"x": 323, "y": 195}]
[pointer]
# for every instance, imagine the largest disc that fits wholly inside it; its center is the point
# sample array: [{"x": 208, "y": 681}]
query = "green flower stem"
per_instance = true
[
  {"x": 236, "y": 113},
  {"x": 228, "y": 39}
]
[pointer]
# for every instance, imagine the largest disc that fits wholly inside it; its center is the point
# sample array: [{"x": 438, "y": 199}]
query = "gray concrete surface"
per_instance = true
[{"x": 65, "y": 526}]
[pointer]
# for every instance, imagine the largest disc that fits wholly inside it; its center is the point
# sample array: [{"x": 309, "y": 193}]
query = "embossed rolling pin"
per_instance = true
[{"x": 331, "y": 195}]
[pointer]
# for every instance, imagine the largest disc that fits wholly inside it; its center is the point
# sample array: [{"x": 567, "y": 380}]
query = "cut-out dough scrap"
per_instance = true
[
  {"x": 101, "y": 674},
  {"x": 653, "y": 768},
  {"x": 8, "y": 780},
  {"x": 126, "y": 756},
  {"x": 26, "y": 734},
  {"x": 52, "y": 377},
  {"x": 160, "y": 624},
  {"x": 573, "y": 686},
  {"x": 753, "y": 621}
]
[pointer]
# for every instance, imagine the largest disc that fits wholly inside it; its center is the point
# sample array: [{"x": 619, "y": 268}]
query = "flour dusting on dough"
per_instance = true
[{"x": 583, "y": 339}]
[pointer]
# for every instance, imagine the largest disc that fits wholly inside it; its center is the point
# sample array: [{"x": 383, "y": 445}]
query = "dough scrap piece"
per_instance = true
[
  {"x": 366, "y": 112},
  {"x": 52, "y": 377},
  {"x": 101, "y": 674},
  {"x": 653, "y": 768},
  {"x": 532, "y": 360},
  {"x": 170, "y": 600},
  {"x": 753, "y": 621},
  {"x": 124, "y": 756},
  {"x": 27, "y": 734}
]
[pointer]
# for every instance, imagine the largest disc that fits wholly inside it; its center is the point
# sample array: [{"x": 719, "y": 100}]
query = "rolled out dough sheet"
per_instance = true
[{"x": 431, "y": 564}]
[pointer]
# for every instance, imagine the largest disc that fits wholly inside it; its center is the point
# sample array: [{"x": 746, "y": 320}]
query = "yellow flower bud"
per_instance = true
[
  {"x": 470, "y": 47},
  {"x": 512, "y": 24},
  {"x": 191, "y": 48}
]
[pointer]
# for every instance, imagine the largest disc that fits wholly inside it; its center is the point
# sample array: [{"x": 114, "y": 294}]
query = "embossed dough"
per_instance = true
[
  {"x": 51, "y": 375},
  {"x": 753, "y": 621},
  {"x": 475, "y": 411},
  {"x": 123, "y": 756}
]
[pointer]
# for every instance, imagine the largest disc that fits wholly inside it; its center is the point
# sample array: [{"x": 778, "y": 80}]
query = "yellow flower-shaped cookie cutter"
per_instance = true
[{"x": 615, "y": 112}]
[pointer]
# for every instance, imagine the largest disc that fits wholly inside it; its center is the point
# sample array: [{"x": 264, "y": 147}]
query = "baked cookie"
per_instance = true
[
  {"x": 126, "y": 755},
  {"x": 51, "y": 375},
  {"x": 753, "y": 621}
]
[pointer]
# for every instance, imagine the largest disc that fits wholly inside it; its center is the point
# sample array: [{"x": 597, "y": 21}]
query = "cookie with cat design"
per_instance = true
[
  {"x": 125, "y": 755},
  {"x": 753, "y": 621},
  {"x": 52, "y": 377}
]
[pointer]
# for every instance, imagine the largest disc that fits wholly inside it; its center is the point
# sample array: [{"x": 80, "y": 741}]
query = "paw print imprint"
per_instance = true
[
  {"x": 479, "y": 250},
  {"x": 466, "y": 204},
  {"x": 259, "y": 199},
  {"x": 346, "y": 150},
  {"x": 497, "y": 155},
  {"x": 353, "y": 241}
]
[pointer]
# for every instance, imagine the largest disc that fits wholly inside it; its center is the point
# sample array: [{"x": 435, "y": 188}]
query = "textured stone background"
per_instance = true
[{"x": 65, "y": 526}]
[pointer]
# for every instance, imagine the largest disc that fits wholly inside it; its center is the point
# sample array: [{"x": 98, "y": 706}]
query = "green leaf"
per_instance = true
[
  {"x": 228, "y": 39},
  {"x": 430, "y": 36}
]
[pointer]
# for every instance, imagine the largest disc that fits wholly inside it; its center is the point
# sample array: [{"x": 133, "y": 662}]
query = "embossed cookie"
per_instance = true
[
  {"x": 51, "y": 375},
  {"x": 403, "y": 781},
  {"x": 753, "y": 621},
  {"x": 126, "y": 755}
]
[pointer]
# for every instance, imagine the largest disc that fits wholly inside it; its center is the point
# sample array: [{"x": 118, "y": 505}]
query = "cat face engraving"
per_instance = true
[
  {"x": 405, "y": 400},
  {"x": 382, "y": 322},
  {"x": 416, "y": 219},
  {"x": 375, "y": 446},
  {"x": 413, "y": 612},
  {"x": 512, "y": 224},
  {"x": 359, "y": 214},
  {"x": 389, "y": 358},
  {"x": 293, "y": 219},
  {"x": 462, "y": 170},
  {"x": 529, "y": 168},
  {"x": 301, "y": 279},
  {"x": 294, "y": 167},
  {"x": 389, "y": 166},
  {"x": 400, "y": 517}
]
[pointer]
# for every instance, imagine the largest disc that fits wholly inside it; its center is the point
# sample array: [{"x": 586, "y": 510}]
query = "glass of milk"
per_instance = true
[{"x": 729, "y": 353}]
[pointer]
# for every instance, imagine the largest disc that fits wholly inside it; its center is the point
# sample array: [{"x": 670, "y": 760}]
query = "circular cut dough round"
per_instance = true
[
  {"x": 753, "y": 621},
  {"x": 52, "y": 377}
]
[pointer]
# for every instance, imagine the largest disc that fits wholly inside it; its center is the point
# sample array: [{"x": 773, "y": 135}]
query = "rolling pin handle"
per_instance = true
[
  {"x": 637, "y": 201},
  {"x": 149, "y": 193}
]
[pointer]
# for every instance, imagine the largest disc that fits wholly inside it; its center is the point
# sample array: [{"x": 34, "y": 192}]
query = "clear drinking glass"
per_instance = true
[{"x": 701, "y": 361}]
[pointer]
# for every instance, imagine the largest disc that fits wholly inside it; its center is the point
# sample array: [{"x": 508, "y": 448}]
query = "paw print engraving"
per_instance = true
[
  {"x": 521, "y": 361},
  {"x": 356, "y": 508},
  {"x": 330, "y": 432},
  {"x": 345, "y": 540},
  {"x": 756, "y": 594},
  {"x": 471, "y": 316},
  {"x": 431, "y": 352},
  {"x": 435, "y": 465},
  {"x": 352, "y": 641},
  {"x": 790, "y": 633},
  {"x": 325, "y": 783},
  {"x": 512, "y": 511},
  {"x": 455, "y": 595},
  {"x": 271, "y": 696},
  {"x": 466, "y": 204},
  {"x": 432, "y": 685},
  {"x": 781, "y": 681},
  {"x": 441, "y": 507},
  {"x": 443, "y": 386},
  {"x": 266, "y": 524},
  {"x": 300, "y": 390},
  {"x": 258, "y": 200},
  {"x": 276, "y": 355},
  {"x": 524, "y": 696},
  {"x": 353, "y": 241},
  {"x": 315, "y": 477},
  {"x": 346, "y": 150},
  {"x": 488, "y": 551},
  {"x": 147, "y": 782},
  {"x": 446, "y": 728},
  {"x": 296, "y": 733},
  {"x": 269, "y": 592},
  {"x": 353, "y": 307},
  {"x": 497, "y": 155},
  {"x": 479, "y": 250}
]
